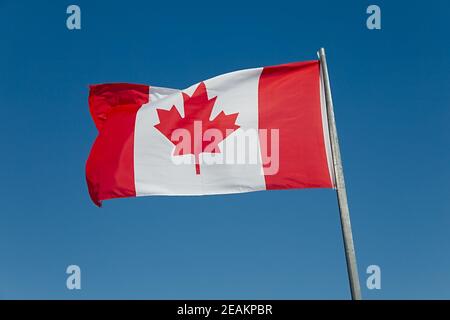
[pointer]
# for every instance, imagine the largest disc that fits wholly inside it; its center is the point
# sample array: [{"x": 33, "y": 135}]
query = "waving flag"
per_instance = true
[{"x": 249, "y": 130}]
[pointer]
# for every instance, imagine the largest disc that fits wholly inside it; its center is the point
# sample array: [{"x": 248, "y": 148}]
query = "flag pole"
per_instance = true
[{"x": 340, "y": 184}]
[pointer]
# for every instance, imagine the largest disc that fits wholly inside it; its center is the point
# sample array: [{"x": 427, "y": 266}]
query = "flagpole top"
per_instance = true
[{"x": 321, "y": 52}]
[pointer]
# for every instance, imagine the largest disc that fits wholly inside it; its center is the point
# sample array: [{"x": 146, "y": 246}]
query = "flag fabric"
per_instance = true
[{"x": 249, "y": 130}]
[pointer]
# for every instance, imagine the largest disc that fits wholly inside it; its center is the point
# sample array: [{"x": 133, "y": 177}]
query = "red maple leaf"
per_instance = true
[{"x": 197, "y": 109}]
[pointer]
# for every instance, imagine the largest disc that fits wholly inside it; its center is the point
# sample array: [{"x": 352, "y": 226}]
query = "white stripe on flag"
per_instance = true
[{"x": 154, "y": 169}]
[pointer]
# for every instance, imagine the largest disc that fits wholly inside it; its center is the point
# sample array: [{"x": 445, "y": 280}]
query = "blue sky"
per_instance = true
[{"x": 391, "y": 93}]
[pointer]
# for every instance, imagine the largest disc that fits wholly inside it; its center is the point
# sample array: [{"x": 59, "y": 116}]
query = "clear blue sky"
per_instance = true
[{"x": 392, "y": 101}]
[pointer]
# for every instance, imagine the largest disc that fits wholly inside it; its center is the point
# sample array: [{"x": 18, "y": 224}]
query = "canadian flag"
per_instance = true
[{"x": 249, "y": 130}]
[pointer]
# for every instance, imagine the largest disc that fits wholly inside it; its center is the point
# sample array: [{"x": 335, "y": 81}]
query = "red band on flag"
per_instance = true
[
  {"x": 110, "y": 166},
  {"x": 289, "y": 100}
]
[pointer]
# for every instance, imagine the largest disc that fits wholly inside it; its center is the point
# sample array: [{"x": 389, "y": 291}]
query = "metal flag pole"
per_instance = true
[{"x": 340, "y": 184}]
